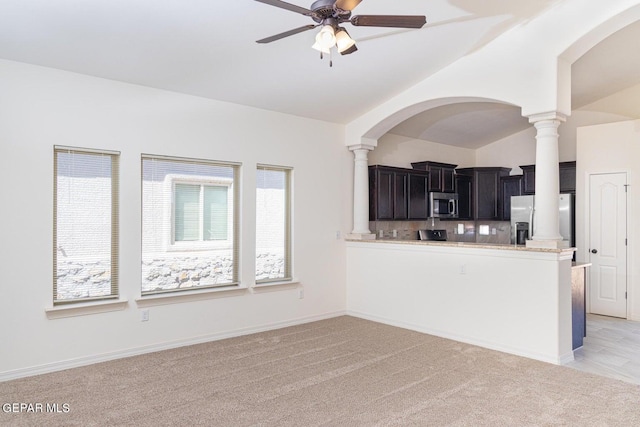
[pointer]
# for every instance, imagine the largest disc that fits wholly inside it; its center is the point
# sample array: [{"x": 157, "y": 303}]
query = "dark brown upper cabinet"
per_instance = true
[
  {"x": 441, "y": 175},
  {"x": 464, "y": 188},
  {"x": 567, "y": 175},
  {"x": 511, "y": 185},
  {"x": 418, "y": 201},
  {"x": 486, "y": 190},
  {"x": 397, "y": 194}
]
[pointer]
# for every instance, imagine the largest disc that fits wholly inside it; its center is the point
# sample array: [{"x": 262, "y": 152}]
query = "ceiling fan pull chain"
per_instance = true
[{"x": 330, "y": 60}]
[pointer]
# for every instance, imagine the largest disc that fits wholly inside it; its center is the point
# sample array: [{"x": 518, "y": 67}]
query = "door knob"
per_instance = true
[{"x": 594, "y": 251}]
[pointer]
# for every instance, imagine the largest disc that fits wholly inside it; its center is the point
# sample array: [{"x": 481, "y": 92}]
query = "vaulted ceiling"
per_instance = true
[{"x": 207, "y": 48}]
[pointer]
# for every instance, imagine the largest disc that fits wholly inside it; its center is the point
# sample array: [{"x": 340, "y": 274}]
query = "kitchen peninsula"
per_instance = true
[{"x": 503, "y": 297}]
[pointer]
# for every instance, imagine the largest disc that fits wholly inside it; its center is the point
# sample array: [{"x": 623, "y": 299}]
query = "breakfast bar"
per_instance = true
[{"x": 504, "y": 297}]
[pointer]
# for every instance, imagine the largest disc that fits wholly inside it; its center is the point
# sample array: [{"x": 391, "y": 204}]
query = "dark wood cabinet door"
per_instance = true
[
  {"x": 528, "y": 179},
  {"x": 464, "y": 188},
  {"x": 486, "y": 195},
  {"x": 400, "y": 196},
  {"x": 435, "y": 178},
  {"x": 509, "y": 186},
  {"x": 448, "y": 180},
  {"x": 568, "y": 177},
  {"x": 384, "y": 194},
  {"x": 418, "y": 195}
]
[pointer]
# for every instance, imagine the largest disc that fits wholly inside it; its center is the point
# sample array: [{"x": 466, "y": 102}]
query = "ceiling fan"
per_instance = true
[{"x": 330, "y": 14}]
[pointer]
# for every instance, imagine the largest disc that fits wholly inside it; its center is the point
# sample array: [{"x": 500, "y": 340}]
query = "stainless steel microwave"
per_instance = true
[{"x": 443, "y": 205}]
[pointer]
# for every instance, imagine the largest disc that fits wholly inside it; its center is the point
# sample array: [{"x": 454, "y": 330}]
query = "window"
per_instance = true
[
  {"x": 200, "y": 212},
  {"x": 85, "y": 235},
  {"x": 273, "y": 224},
  {"x": 189, "y": 224}
]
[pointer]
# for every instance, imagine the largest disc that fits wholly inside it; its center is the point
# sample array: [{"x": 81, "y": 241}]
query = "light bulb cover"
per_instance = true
[
  {"x": 326, "y": 37},
  {"x": 343, "y": 40},
  {"x": 318, "y": 46}
]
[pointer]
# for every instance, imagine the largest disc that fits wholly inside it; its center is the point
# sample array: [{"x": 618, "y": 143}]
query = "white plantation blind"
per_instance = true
[
  {"x": 85, "y": 234},
  {"x": 189, "y": 224},
  {"x": 273, "y": 224}
]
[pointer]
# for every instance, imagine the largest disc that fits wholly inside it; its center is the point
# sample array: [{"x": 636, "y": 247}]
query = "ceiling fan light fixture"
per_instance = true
[
  {"x": 343, "y": 41},
  {"x": 326, "y": 37},
  {"x": 318, "y": 46}
]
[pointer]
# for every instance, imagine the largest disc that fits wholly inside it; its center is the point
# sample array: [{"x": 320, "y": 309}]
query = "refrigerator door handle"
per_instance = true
[{"x": 531, "y": 215}]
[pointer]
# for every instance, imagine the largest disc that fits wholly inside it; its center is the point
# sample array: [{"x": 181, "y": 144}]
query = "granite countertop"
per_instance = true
[
  {"x": 580, "y": 264},
  {"x": 501, "y": 246}
]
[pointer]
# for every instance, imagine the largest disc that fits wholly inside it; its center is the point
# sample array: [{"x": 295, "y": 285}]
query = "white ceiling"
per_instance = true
[{"x": 207, "y": 48}]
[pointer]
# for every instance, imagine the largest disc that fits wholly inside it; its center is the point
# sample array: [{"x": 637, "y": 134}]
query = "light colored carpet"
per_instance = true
[{"x": 338, "y": 372}]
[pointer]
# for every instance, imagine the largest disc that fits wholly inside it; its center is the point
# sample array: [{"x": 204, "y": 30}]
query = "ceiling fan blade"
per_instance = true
[
  {"x": 347, "y": 4},
  {"x": 397, "y": 21},
  {"x": 287, "y": 6},
  {"x": 286, "y": 34}
]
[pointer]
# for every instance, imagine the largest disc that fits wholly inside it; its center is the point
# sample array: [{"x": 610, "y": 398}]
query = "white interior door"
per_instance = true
[{"x": 608, "y": 244}]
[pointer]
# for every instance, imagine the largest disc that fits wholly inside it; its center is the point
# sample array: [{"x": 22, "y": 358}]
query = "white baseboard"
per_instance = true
[
  {"x": 105, "y": 357},
  {"x": 556, "y": 360}
]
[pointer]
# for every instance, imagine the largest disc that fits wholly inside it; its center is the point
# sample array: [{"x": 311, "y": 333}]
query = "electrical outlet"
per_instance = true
[
  {"x": 463, "y": 269},
  {"x": 300, "y": 293},
  {"x": 395, "y": 233},
  {"x": 144, "y": 315},
  {"x": 338, "y": 235}
]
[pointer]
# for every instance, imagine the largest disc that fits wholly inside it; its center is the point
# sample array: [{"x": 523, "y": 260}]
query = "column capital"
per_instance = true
[
  {"x": 548, "y": 116},
  {"x": 361, "y": 146}
]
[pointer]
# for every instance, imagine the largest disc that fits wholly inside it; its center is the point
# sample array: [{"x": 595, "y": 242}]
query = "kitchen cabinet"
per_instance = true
[
  {"x": 441, "y": 175},
  {"x": 397, "y": 193},
  {"x": 566, "y": 173},
  {"x": 528, "y": 179},
  {"x": 464, "y": 188},
  {"x": 485, "y": 190},
  {"x": 418, "y": 200},
  {"x": 567, "y": 177},
  {"x": 509, "y": 186}
]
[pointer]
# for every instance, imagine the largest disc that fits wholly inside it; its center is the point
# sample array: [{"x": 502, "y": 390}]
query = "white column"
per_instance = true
[
  {"x": 361, "y": 193},
  {"x": 546, "y": 218}
]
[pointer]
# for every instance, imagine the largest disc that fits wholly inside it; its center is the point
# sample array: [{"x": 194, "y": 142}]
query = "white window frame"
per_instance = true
[
  {"x": 166, "y": 245},
  {"x": 115, "y": 203},
  {"x": 171, "y": 245},
  {"x": 288, "y": 226}
]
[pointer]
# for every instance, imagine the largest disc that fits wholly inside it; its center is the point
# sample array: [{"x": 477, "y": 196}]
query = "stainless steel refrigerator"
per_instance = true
[{"x": 523, "y": 213}]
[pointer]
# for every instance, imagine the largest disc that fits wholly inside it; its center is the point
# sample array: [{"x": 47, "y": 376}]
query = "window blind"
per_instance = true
[
  {"x": 273, "y": 224},
  {"x": 85, "y": 226}
]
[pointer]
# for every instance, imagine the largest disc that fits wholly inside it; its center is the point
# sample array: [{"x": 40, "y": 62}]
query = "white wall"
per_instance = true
[
  {"x": 609, "y": 148},
  {"x": 400, "y": 151},
  {"x": 512, "y": 152},
  {"x": 40, "y": 108},
  {"x": 455, "y": 292},
  {"x": 520, "y": 148}
]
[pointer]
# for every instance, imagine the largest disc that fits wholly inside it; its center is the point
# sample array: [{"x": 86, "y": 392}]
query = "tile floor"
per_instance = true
[{"x": 611, "y": 348}]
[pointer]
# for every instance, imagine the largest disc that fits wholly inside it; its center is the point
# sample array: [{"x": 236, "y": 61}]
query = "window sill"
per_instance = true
[
  {"x": 272, "y": 286},
  {"x": 83, "y": 309},
  {"x": 189, "y": 296}
]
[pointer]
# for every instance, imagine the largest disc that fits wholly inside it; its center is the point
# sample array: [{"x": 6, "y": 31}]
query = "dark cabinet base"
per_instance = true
[{"x": 578, "y": 306}]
